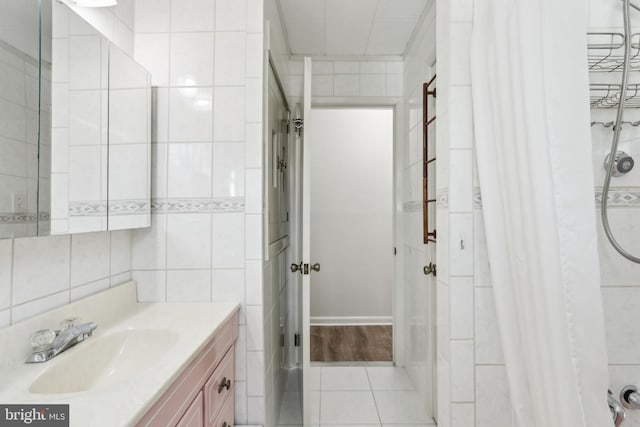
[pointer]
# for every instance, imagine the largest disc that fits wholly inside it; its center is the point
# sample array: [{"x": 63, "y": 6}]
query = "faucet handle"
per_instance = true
[
  {"x": 42, "y": 340},
  {"x": 69, "y": 323}
]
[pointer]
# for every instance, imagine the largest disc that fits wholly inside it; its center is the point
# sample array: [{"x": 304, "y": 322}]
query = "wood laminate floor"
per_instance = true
[{"x": 367, "y": 343}]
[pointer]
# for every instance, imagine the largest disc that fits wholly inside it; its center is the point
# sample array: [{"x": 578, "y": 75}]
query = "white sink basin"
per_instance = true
[{"x": 104, "y": 360}]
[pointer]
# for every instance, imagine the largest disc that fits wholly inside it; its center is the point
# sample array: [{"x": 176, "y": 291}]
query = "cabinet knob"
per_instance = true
[
  {"x": 225, "y": 383},
  {"x": 224, "y": 424}
]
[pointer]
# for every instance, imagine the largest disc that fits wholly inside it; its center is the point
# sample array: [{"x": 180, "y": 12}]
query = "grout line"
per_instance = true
[{"x": 375, "y": 401}]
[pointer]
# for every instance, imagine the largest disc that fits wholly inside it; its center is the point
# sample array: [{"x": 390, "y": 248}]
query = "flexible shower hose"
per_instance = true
[{"x": 616, "y": 137}]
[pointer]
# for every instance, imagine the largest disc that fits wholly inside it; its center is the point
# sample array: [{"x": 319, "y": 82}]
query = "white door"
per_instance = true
[{"x": 306, "y": 250}]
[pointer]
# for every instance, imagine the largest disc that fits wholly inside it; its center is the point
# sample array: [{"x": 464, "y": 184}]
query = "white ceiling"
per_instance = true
[{"x": 350, "y": 27}]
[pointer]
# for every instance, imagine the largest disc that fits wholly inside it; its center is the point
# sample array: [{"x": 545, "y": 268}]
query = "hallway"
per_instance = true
[{"x": 364, "y": 396}]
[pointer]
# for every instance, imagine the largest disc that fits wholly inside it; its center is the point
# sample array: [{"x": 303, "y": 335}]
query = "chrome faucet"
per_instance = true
[{"x": 48, "y": 343}]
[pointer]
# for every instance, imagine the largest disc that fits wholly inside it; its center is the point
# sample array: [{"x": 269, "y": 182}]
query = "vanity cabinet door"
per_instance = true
[
  {"x": 194, "y": 417},
  {"x": 219, "y": 389},
  {"x": 225, "y": 417}
]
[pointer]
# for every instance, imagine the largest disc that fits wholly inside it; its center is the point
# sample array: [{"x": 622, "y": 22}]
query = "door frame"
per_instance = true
[{"x": 394, "y": 104}]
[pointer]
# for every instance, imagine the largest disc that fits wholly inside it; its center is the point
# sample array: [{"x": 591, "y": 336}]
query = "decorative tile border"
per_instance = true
[
  {"x": 129, "y": 207},
  {"x": 17, "y": 218},
  {"x": 620, "y": 197},
  {"x": 115, "y": 208},
  {"x": 139, "y": 207},
  {"x": 22, "y": 218},
  {"x": 87, "y": 208},
  {"x": 217, "y": 205}
]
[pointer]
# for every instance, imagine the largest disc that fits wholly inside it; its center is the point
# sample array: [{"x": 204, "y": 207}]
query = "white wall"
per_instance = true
[
  {"x": 205, "y": 243},
  {"x": 351, "y": 213},
  {"x": 41, "y": 273},
  {"x": 418, "y": 290}
]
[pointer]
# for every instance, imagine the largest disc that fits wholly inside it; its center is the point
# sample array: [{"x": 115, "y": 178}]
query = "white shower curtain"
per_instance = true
[{"x": 531, "y": 118}]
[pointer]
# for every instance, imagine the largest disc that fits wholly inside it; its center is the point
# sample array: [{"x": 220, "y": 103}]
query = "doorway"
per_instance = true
[
  {"x": 351, "y": 209},
  {"x": 352, "y": 234}
]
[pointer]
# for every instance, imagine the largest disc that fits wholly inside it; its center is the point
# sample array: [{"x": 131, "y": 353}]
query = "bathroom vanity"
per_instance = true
[
  {"x": 146, "y": 364},
  {"x": 203, "y": 394}
]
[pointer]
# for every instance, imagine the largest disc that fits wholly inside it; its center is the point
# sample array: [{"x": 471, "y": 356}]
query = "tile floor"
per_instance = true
[{"x": 362, "y": 396}]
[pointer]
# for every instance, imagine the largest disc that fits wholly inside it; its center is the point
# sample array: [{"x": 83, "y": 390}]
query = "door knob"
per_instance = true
[
  {"x": 296, "y": 267},
  {"x": 315, "y": 267},
  {"x": 430, "y": 269}
]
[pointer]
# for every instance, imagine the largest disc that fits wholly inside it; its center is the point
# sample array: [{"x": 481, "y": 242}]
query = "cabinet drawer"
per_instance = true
[
  {"x": 220, "y": 387},
  {"x": 194, "y": 417},
  {"x": 226, "y": 416}
]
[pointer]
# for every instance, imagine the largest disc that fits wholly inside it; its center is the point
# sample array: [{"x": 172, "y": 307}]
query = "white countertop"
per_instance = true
[{"x": 115, "y": 310}]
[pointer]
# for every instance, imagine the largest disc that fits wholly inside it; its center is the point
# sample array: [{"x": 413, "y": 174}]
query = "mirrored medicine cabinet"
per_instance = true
[{"x": 75, "y": 126}]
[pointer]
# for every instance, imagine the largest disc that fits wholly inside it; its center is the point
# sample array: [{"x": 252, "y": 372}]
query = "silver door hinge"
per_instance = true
[{"x": 298, "y": 125}]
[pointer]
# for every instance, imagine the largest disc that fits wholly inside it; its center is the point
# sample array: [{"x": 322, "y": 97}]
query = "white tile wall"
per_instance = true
[
  {"x": 348, "y": 78},
  {"x": 191, "y": 59},
  {"x": 188, "y": 241},
  {"x": 189, "y": 170},
  {"x": 37, "y": 274},
  {"x": 206, "y": 59},
  {"x": 40, "y": 273},
  {"x": 188, "y": 285},
  {"x": 228, "y": 248},
  {"x": 230, "y": 58},
  {"x": 190, "y": 119},
  {"x": 90, "y": 254},
  {"x": 192, "y": 15}
]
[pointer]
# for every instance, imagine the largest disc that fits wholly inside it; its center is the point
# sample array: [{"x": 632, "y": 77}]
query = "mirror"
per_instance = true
[
  {"x": 79, "y": 124},
  {"x": 129, "y": 186},
  {"x": 19, "y": 98},
  {"x": 75, "y": 124}
]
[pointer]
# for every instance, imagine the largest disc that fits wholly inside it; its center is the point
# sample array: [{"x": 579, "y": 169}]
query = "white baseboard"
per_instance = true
[{"x": 351, "y": 320}]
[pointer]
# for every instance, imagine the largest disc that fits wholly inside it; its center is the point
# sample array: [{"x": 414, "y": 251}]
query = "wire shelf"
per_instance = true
[
  {"x": 606, "y": 52},
  {"x": 604, "y": 95},
  {"x": 612, "y": 125}
]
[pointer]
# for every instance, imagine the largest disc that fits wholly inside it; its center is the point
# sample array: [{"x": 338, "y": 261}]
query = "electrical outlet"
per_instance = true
[{"x": 19, "y": 202}]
